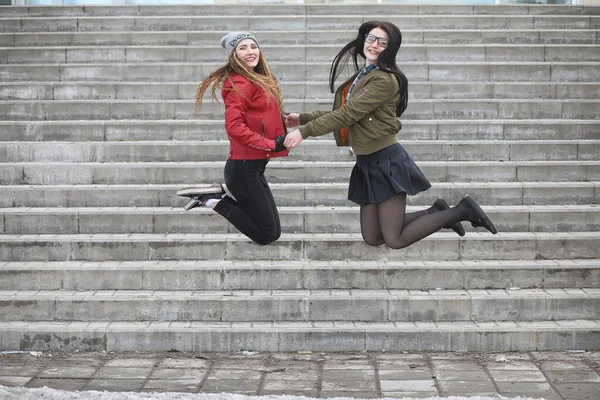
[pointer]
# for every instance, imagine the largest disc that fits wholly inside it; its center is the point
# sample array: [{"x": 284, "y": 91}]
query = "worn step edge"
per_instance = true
[
  {"x": 300, "y": 194},
  {"x": 332, "y": 246},
  {"x": 308, "y": 219},
  {"x": 298, "y": 274},
  {"x": 302, "y": 305},
  {"x": 276, "y": 337}
]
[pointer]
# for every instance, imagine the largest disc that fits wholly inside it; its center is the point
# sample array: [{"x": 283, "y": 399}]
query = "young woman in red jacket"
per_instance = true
[{"x": 256, "y": 132}]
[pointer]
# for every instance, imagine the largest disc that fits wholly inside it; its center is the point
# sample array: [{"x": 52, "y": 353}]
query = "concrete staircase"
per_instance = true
[{"x": 97, "y": 134}]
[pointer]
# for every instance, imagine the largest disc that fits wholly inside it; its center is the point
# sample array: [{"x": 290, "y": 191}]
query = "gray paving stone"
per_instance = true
[
  {"x": 461, "y": 375},
  {"x": 464, "y": 388},
  {"x": 233, "y": 374},
  {"x": 293, "y": 375},
  {"x": 169, "y": 363},
  {"x": 305, "y": 393},
  {"x": 579, "y": 390},
  {"x": 405, "y": 374},
  {"x": 230, "y": 385},
  {"x": 19, "y": 370},
  {"x": 426, "y": 385},
  {"x": 348, "y": 385},
  {"x": 517, "y": 376},
  {"x": 178, "y": 374},
  {"x": 14, "y": 380},
  {"x": 67, "y": 372},
  {"x": 352, "y": 394},
  {"x": 572, "y": 376},
  {"x": 116, "y": 385},
  {"x": 131, "y": 363},
  {"x": 289, "y": 385},
  {"x": 410, "y": 395},
  {"x": 58, "y": 383},
  {"x": 367, "y": 374},
  {"x": 123, "y": 372},
  {"x": 172, "y": 385},
  {"x": 523, "y": 387}
]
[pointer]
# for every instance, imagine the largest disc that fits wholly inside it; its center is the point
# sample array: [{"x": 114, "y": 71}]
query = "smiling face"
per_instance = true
[
  {"x": 247, "y": 52},
  {"x": 374, "y": 49}
]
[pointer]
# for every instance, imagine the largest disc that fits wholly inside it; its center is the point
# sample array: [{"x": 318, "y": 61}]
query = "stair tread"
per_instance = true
[
  {"x": 302, "y": 264},
  {"x": 324, "y": 237},
  {"x": 286, "y": 209},
  {"x": 318, "y": 326},
  {"x": 301, "y": 294}
]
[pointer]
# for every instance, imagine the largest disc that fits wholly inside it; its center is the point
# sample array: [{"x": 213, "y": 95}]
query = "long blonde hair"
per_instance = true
[{"x": 261, "y": 75}]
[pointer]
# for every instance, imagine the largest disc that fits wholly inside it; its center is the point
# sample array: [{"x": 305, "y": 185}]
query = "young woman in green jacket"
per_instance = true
[{"x": 366, "y": 108}]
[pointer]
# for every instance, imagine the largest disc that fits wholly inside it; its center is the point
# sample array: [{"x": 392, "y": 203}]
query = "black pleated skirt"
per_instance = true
[{"x": 377, "y": 177}]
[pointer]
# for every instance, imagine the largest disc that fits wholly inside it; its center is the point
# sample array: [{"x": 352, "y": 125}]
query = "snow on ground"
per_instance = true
[{"x": 19, "y": 393}]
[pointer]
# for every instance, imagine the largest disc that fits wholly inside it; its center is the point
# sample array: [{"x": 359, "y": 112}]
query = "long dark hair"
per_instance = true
[{"x": 386, "y": 60}]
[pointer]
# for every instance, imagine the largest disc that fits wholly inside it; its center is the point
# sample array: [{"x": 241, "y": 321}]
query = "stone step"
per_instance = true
[
  {"x": 446, "y": 129},
  {"x": 324, "y": 247},
  {"x": 319, "y": 219},
  {"x": 293, "y": 90},
  {"x": 462, "y": 336},
  {"x": 295, "y": 53},
  {"x": 292, "y": 21},
  {"x": 385, "y": 305},
  {"x": 300, "y": 194},
  {"x": 288, "y": 171},
  {"x": 18, "y": 110},
  {"x": 339, "y": 37},
  {"x": 311, "y": 150},
  {"x": 456, "y": 71},
  {"x": 299, "y": 9},
  {"x": 297, "y": 274}
]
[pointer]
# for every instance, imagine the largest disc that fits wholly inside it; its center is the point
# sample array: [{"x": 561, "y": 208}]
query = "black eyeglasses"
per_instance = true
[{"x": 383, "y": 42}]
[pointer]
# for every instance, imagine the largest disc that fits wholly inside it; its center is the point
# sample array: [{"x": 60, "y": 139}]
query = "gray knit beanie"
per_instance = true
[{"x": 231, "y": 40}]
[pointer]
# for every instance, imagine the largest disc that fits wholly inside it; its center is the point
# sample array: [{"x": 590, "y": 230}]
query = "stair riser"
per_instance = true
[
  {"x": 293, "y": 90},
  {"x": 180, "y": 277},
  {"x": 75, "y": 131},
  {"x": 293, "y": 22},
  {"x": 415, "y": 71},
  {"x": 285, "y": 172},
  {"x": 444, "y": 247},
  {"x": 73, "y": 196},
  {"x": 178, "y": 109},
  {"x": 132, "y": 55},
  {"x": 310, "y": 151},
  {"x": 291, "y": 222},
  {"x": 196, "y": 38},
  {"x": 287, "y": 9},
  {"x": 284, "y": 309},
  {"x": 89, "y": 337}
]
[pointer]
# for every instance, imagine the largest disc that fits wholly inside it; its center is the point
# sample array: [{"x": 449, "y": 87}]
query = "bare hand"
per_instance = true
[
  {"x": 292, "y": 120},
  {"x": 293, "y": 139}
]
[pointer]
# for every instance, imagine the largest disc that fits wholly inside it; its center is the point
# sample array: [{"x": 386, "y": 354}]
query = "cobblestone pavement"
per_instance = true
[{"x": 551, "y": 375}]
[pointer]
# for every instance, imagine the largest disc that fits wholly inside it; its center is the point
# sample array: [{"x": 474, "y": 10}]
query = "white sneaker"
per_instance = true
[{"x": 195, "y": 191}]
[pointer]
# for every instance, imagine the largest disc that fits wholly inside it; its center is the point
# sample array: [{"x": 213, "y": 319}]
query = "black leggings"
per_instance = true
[
  {"x": 387, "y": 222},
  {"x": 253, "y": 212}
]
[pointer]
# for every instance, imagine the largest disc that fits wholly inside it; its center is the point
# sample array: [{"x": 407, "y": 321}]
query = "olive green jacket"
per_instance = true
[{"x": 369, "y": 114}]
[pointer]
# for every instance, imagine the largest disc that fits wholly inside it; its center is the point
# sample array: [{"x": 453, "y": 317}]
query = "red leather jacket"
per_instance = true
[{"x": 251, "y": 124}]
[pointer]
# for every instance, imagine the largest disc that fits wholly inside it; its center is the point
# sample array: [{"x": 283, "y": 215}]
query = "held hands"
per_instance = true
[
  {"x": 279, "y": 142},
  {"x": 292, "y": 120},
  {"x": 293, "y": 139}
]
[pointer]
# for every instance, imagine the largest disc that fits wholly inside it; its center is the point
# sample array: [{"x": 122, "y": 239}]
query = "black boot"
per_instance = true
[
  {"x": 475, "y": 214},
  {"x": 441, "y": 205}
]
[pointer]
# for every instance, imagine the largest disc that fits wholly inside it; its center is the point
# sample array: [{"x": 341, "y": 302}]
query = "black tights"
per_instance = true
[
  {"x": 387, "y": 222},
  {"x": 253, "y": 212}
]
